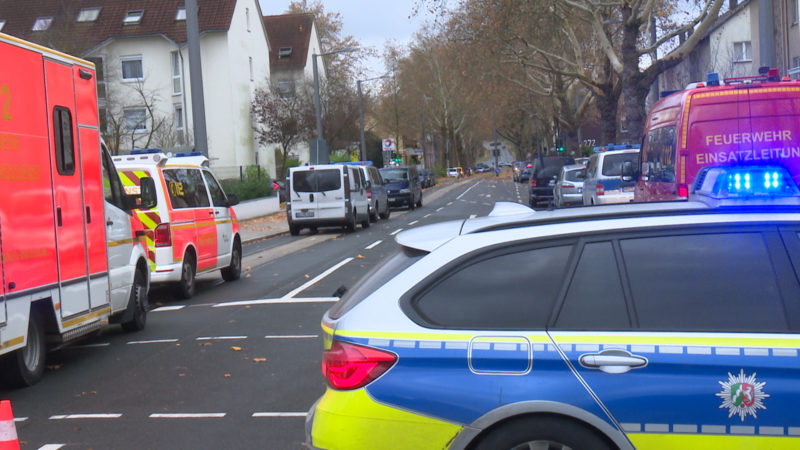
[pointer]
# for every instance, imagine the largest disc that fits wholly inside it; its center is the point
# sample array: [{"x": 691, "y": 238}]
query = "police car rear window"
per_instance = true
[
  {"x": 612, "y": 164},
  {"x": 317, "y": 180},
  {"x": 374, "y": 279},
  {"x": 575, "y": 175}
]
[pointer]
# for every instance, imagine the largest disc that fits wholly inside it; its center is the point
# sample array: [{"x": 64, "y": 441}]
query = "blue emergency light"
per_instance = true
[
  {"x": 145, "y": 151},
  {"x": 753, "y": 184},
  {"x": 712, "y": 79},
  {"x": 183, "y": 154}
]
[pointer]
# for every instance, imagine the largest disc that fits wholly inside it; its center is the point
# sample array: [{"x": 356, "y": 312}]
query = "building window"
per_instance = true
[
  {"x": 42, "y": 23},
  {"x": 132, "y": 68},
  {"x": 133, "y": 17},
  {"x": 286, "y": 89},
  {"x": 180, "y": 15},
  {"x": 794, "y": 7},
  {"x": 742, "y": 51},
  {"x": 2, "y": 24},
  {"x": 247, "y": 18},
  {"x": 284, "y": 52},
  {"x": 177, "y": 120},
  {"x": 134, "y": 119},
  {"x": 176, "y": 73},
  {"x": 88, "y": 15},
  {"x": 103, "y": 113},
  {"x": 251, "y": 68},
  {"x": 100, "y": 76}
]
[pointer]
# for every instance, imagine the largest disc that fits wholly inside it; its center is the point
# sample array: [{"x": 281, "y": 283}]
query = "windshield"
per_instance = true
[
  {"x": 612, "y": 164},
  {"x": 316, "y": 180},
  {"x": 390, "y": 175}
]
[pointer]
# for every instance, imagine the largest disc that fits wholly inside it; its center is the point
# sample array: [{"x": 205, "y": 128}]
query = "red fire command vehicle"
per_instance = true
[
  {"x": 73, "y": 256},
  {"x": 741, "y": 120}
]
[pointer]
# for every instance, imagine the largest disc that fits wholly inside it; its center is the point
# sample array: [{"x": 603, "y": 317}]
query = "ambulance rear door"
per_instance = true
[{"x": 67, "y": 190}]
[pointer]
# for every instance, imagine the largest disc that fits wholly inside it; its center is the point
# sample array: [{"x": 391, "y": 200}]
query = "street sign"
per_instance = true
[{"x": 388, "y": 145}]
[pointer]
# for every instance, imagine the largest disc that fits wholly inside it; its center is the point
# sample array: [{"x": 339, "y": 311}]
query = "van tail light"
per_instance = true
[
  {"x": 683, "y": 190},
  {"x": 567, "y": 186},
  {"x": 349, "y": 366},
  {"x": 369, "y": 194},
  {"x": 601, "y": 189},
  {"x": 163, "y": 235}
]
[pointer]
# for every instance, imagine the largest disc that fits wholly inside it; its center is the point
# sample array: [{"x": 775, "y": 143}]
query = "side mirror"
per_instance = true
[
  {"x": 232, "y": 199},
  {"x": 147, "y": 196},
  {"x": 627, "y": 171}
]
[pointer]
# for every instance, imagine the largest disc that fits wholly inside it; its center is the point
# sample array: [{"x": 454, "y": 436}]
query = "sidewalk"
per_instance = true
[{"x": 275, "y": 223}]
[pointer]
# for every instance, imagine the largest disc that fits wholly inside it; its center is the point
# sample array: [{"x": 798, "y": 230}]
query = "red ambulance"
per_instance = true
[
  {"x": 742, "y": 120},
  {"x": 73, "y": 255}
]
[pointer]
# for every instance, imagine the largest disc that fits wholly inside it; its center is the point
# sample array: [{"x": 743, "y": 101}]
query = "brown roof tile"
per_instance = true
[
  {"x": 68, "y": 35},
  {"x": 289, "y": 30}
]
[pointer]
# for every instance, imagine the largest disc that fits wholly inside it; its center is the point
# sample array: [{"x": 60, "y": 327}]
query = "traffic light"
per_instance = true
[
  {"x": 398, "y": 157},
  {"x": 561, "y": 149}
]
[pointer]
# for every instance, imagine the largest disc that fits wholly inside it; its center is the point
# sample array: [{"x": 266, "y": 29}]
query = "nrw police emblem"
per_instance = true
[{"x": 742, "y": 395}]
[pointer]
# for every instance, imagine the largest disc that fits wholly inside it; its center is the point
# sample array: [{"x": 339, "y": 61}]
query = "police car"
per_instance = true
[{"x": 662, "y": 325}]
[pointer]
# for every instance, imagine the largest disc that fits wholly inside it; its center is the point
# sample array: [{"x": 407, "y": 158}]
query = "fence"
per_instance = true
[{"x": 239, "y": 172}]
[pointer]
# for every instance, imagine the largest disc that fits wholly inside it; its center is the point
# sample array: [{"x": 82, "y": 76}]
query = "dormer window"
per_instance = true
[
  {"x": 133, "y": 17},
  {"x": 284, "y": 52},
  {"x": 42, "y": 23},
  {"x": 180, "y": 15},
  {"x": 88, "y": 15}
]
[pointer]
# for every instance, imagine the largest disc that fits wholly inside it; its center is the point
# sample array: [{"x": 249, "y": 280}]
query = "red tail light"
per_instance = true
[
  {"x": 369, "y": 194},
  {"x": 163, "y": 235},
  {"x": 349, "y": 366},
  {"x": 533, "y": 182},
  {"x": 683, "y": 190},
  {"x": 601, "y": 189},
  {"x": 568, "y": 186}
]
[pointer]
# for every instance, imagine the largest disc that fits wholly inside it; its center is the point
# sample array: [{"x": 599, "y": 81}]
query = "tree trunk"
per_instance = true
[{"x": 634, "y": 95}]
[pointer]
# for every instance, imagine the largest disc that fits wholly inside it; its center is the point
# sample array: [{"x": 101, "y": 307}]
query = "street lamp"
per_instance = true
[
  {"x": 316, "y": 95},
  {"x": 361, "y": 113}
]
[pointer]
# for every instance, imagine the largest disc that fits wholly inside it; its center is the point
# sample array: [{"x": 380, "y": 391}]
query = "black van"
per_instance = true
[
  {"x": 543, "y": 175},
  {"x": 402, "y": 186}
]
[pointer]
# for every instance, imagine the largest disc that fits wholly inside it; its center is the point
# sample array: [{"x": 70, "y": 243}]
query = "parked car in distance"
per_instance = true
[
  {"x": 326, "y": 195},
  {"x": 279, "y": 188},
  {"x": 568, "y": 190},
  {"x": 604, "y": 183},
  {"x": 453, "y": 172},
  {"x": 426, "y": 178},
  {"x": 543, "y": 176},
  {"x": 524, "y": 175},
  {"x": 402, "y": 186}
]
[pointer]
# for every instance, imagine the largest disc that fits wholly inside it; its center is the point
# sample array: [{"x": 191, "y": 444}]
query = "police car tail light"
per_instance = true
[
  {"x": 568, "y": 186},
  {"x": 349, "y": 366},
  {"x": 601, "y": 190},
  {"x": 163, "y": 235},
  {"x": 369, "y": 194},
  {"x": 683, "y": 190}
]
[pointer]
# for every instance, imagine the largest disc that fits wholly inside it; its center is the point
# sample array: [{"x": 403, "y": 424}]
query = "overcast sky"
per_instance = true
[{"x": 371, "y": 22}]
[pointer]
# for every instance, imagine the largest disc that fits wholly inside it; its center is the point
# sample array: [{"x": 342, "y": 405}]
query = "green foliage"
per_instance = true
[
  {"x": 256, "y": 184},
  {"x": 439, "y": 171},
  {"x": 340, "y": 156},
  {"x": 586, "y": 150}
]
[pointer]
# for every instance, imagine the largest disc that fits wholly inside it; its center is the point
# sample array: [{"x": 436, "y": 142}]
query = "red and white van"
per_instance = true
[
  {"x": 72, "y": 252},
  {"x": 192, "y": 228},
  {"x": 741, "y": 120}
]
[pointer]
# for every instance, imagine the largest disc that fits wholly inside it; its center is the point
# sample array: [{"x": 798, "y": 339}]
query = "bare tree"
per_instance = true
[
  {"x": 280, "y": 118},
  {"x": 132, "y": 117}
]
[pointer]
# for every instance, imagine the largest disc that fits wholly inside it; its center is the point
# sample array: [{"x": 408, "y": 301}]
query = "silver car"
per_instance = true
[{"x": 568, "y": 189}]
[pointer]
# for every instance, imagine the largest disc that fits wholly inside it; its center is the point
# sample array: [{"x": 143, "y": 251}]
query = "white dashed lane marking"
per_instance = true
[
  {"x": 168, "y": 308},
  {"x": 187, "y": 416},
  {"x": 153, "y": 341},
  {"x": 280, "y": 414},
  {"x": 220, "y": 338},
  {"x": 395, "y": 232},
  {"x": 85, "y": 416},
  {"x": 413, "y": 223},
  {"x": 298, "y": 336},
  {"x": 373, "y": 245}
]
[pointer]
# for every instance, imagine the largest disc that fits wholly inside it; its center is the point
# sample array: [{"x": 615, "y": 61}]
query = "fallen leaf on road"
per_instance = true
[
  {"x": 307, "y": 276},
  {"x": 227, "y": 375},
  {"x": 55, "y": 366},
  {"x": 259, "y": 360},
  {"x": 248, "y": 268},
  {"x": 248, "y": 275},
  {"x": 236, "y": 349},
  {"x": 359, "y": 256}
]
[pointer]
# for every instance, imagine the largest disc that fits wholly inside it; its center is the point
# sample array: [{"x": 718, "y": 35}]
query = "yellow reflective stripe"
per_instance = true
[
  {"x": 352, "y": 419},
  {"x": 729, "y": 340},
  {"x": 657, "y": 441},
  {"x": 148, "y": 223},
  {"x": 93, "y": 315},
  {"x": 194, "y": 225},
  {"x": 12, "y": 342},
  {"x": 121, "y": 242},
  {"x": 441, "y": 336}
]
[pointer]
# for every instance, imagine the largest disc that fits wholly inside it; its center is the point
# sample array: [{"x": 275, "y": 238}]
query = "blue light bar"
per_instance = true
[
  {"x": 180, "y": 155},
  {"x": 712, "y": 79},
  {"x": 145, "y": 151},
  {"x": 745, "y": 185}
]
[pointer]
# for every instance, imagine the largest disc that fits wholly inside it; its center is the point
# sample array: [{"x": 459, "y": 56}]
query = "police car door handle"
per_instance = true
[{"x": 612, "y": 361}]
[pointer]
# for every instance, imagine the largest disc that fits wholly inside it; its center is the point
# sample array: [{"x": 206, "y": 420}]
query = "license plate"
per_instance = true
[
  {"x": 305, "y": 213},
  {"x": 627, "y": 189},
  {"x": 580, "y": 190}
]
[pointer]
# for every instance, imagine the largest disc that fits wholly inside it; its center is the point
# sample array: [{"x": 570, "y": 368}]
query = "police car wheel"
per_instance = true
[
  {"x": 25, "y": 366},
  {"x": 234, "y": 269},
  {"x": 385, "y": 215},
  {"x": 351, "y": 222},
  {"x": 138, "y": 302},
  {"x": 186, "y": 285},
  {"x": 542, "y": 432}
]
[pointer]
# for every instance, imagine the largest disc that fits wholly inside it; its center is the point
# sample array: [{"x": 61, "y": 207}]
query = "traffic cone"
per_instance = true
[{"x": 8, "y": 430}]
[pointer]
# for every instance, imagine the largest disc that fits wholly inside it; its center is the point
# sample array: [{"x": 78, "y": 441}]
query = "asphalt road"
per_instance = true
[{"x": 238, "y": 365}]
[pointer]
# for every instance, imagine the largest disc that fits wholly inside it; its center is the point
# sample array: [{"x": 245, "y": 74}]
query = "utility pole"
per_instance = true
[{"x": 196, "y": 78}]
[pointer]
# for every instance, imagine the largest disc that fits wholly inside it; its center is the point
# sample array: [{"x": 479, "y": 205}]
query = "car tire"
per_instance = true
[
  {"x": 25, "y": 367},
  {"x": 365, "y": 223},
  {"x": 549, "y": 432},
  {"x": 385, "y": 215},
  {"x": 419, "y": 203},
  {"x": 234, "y": 270},
  {"x": 374, "y": 216},
  {"x": 351, "y": 222},
  {"x": 411, "y": 204},
  {"x": 137, "y": 304},
  {"x": 294, "y": 230},
  {"x": 186, "y": 285}
]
